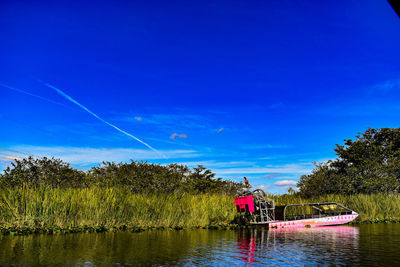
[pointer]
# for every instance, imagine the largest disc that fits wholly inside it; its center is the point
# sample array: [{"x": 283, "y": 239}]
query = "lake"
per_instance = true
[{"x": 376, "y": 244}]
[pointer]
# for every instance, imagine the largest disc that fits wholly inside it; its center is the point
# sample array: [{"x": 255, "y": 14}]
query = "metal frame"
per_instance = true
[
  {"x": 266, "y": 212},
  {"x": 320, "y": 214}
]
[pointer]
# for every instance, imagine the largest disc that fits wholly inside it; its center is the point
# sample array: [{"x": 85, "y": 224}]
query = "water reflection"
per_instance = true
[
  {"x": 334, "y": 244},
  {"x": 344, "y": 245}
]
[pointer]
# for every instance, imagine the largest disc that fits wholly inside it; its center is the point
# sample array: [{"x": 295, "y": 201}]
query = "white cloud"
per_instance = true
[
  {"x": 88, "y": 155},
  {"x": 286, "y": 183},
  {"x": 299, "y": 169},
  {"x": 265, "y": 146},
  {"x": 6, "y": 159},
  {"x": 9, "y": 158},
  {"x": 274, "y": 175},
  {"x": 222, "y": 164},
  {"x": 263, "y": 187}
]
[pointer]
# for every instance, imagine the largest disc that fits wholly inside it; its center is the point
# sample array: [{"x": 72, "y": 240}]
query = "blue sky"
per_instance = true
[{"x": 247, "y": 88}]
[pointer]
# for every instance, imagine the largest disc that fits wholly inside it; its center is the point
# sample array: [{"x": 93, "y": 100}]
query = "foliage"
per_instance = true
[
  {"x": 202, "y": 180},
  {"x": 370, "y": 164},
  {"x": 138, "y": 177},
  {"x": 42, "y": 171}
]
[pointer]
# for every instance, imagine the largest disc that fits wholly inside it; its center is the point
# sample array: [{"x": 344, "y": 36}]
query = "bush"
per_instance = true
[
  {"x": 138, "y": 177},
  {"x": 370, "y": 164},
  {"x": 42, "y": 171}
]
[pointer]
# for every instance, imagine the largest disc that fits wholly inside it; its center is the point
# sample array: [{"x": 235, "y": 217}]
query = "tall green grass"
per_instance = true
[
  {"x": 117, "y": 207},
  {"x": 110, "y": 207}
]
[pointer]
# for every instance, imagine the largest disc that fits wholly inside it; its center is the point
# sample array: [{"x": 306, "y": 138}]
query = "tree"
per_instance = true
[
  {"x": 202, "y": 180},
  {"x": 139, "y": 177},
  {"x": 369, "y": 164},
  {"x": 42, "y": 171}
]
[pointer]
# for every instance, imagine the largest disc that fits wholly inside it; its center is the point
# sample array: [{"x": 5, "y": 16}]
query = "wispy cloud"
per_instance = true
[
  {"x": 90, "y": 155},
  {"x": 286, "y": 183},
  {"x": 263, "y": 187},
  {"x": 99, "y": 118},
  {"x": 214, "y": 164},
  {"x": 172, "y": 137},
  {"x": 168, "y": 121},
  {"x": 14, "y": 151},
  {"x": 265, "y": 146},
  {"x": 8, "y": 158},
  {"x": 301, "y": 168},
  {"x": 385, "y": 87},
  {"x": 271, "y": 175}
]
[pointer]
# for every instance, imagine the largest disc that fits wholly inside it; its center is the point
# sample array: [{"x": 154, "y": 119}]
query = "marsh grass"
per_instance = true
[
  {"x": 117, "y": 208},
  {"x": 110, "y": 207}
]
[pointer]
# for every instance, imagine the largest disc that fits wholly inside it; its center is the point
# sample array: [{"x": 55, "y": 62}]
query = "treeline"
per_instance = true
[
  {"x": 138, "y": 177},
  {"x": 368, "y": 165}
]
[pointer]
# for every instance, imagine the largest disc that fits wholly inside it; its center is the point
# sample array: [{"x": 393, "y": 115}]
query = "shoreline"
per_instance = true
[
  {"x": 55, "y": 210},
  {"x": 16, "y": 230}
]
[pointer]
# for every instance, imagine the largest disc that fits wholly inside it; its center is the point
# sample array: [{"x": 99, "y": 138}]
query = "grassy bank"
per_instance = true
[
  {"x": 107, "y": 208},
  {"x": 99, "y": 209}
]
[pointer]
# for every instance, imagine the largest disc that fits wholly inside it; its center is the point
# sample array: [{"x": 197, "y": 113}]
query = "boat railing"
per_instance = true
[{"x": 310, "y": 211}]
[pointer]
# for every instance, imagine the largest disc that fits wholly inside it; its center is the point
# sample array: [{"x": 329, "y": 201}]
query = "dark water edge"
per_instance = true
[
  {"x": 25, "y": 230},
  {"x": 371, "y": 244}
]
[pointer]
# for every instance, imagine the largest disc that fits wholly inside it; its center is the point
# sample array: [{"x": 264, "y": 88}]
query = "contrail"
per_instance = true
[
  {"x": 97, "y": 117},
  {"x": 16, "y": 151},
  {"x": 27, "y": 93}
]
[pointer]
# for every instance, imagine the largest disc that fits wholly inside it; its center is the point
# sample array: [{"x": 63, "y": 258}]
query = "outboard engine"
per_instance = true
[{"x": 254, "y": 206}]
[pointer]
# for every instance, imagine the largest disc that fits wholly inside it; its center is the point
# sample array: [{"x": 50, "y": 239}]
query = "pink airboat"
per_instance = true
[{"x": 256, "y": 208}]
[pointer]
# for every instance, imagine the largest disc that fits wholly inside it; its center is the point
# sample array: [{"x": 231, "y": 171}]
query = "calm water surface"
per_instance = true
[{"x": 377, "y": 244}]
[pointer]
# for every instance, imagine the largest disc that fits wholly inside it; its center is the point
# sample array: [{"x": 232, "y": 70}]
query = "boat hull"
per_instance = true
[{"x": 314, "y": 222}]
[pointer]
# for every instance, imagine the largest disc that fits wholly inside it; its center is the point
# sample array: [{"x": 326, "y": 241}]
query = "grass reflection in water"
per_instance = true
[{"x": 375, "y": 244}]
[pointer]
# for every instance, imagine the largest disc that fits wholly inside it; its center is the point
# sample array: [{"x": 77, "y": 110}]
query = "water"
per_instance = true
[{"x": 377, "y": 244}]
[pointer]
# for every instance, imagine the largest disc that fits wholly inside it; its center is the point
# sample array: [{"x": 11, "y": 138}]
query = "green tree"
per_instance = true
[
  {"x": 139, "y": 177},
  {"x": 369, "y": 164},
  {"x": 42, "y": 171}
]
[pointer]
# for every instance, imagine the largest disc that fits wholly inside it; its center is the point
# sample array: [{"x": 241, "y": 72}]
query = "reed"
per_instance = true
[
  {"x": 114, "y": 207},
  {"x": 110, "y": 208}
]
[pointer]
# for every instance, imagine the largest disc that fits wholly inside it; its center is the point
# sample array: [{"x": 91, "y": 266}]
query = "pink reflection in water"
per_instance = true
[
  {"x": 247, "y": 248},
  {"x": 262, "y": 241}
]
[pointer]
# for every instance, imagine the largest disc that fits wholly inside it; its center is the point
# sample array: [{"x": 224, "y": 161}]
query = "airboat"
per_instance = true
[{"x": 255, "y": 208}]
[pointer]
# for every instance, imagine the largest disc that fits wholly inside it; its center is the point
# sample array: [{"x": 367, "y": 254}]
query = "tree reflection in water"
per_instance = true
[{"x": 337, "y": 245}]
